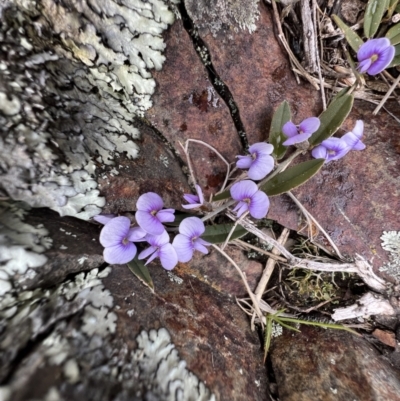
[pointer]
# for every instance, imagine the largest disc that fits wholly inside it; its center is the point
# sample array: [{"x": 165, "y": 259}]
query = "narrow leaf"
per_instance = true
[
  {"x": 276, "y": 137},
  {"x": 392, "y": 6},
  {"x": 217, "y": 234},
  {"x": 179, "y": 216},
  {"x": 332, "y": 118},
  {"x": 393, "y": 34},
  {"x": 396, "y": 59},
  {"x": 223, "y": 195},
  {"x": 373, "y": 16},
  {"x": 138, "y": 268},
  {"x": 292, "y": 177},
  {"x": 268, "y": 336},
  {"x": 351, "y": 36}
]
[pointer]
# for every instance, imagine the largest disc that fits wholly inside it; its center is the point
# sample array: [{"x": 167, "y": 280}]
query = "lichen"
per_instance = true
[
  {"x": 214, "y": 15},
  {"x": 391, "y": 243},
  {"x": 78, "y": 76}
]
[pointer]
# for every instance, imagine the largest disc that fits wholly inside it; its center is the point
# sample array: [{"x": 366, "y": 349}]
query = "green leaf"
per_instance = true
[
  {"x": 332, "y": 118},
  {"x": 397, "y": 10},
  {"x": 292, "y": 177},
  {"x": 276, "y": 137},
  {"x": 138, "y": 268},
  {"x": 217, "y": 234},
  {"x": 396, "y": 59},
  {"x": 179, "y": 216},
  {"x": 352, "y": 38},
  {"x": 223, "y": 195},
  {"x": 373, "y": 16},
  {"x": 393, "y": 34},
  {"x": 392, "y": 7}
]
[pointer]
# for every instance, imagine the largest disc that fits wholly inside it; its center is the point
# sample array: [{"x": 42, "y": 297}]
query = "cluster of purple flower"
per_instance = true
[
  {"x": 118, "y": 237},
  {"x": 375, "y": 55}
]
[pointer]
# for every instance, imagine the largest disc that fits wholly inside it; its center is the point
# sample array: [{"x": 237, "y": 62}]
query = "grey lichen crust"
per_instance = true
[
  {"x": 213, "y": 15},
  {"x": 391, "y": 244},
  {"x": 73, "y": 77},
  {"x": 166, "y": 374}
]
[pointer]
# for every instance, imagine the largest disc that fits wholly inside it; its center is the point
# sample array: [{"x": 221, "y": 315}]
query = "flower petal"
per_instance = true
[
  {"x": 136, "y": 234},
  {"x": 183, "y": 247},
  {"x": 244, "y": 161},
  {"x": 158, "y": 240},
  {"x": 336, "y": 148},
  {"x": 199, "y": 193},
  {"x": 297, "y": 139},
  {"x": 166, "y": 215},
  {"x": 146, "y": 252},
  {"x": 262, "y": 166},
  {"x": 192, "y": 206},
  {"x": 319, "y": 152},
  {"x": 241, "y": 208},
  {"x": 119, "y": 254},
  {"x": 364, "y": 65},
  {"x": 372, "y": 47},
  {"x": 261, "y": 148},
  {"x": 243, "y": 189},
  {"x": 114, "y": 231},
  {"x": 191, "y": 227},
  {"x": 191, "y": 199},
  {"x": 103, "y": 218},
  {"x": 168, "y": 257},
  {"x": 358, "y": 129},
  {"x": 199, "y": 245},
  {"x": 309, "y": 125},
  {"x": 383, "y": 61},
  {"x": 289, "y": 129},
  {"x": 149, "y": 223},
  {"x": 259, "y": 205},
  {"x": 150, "y": 202}
]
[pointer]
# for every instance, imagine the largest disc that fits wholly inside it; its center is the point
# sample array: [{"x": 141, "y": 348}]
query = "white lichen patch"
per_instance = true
[
  {"x": 171, "y": 380},
  {"x": 391, "y": 244},
  {"x": 215, "y": 15},
  {"x": 173, "y": 277},
  {"x": 73, "y": 107}
]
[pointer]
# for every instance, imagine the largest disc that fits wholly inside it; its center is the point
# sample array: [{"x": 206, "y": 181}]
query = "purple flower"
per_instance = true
[
  {"x": 259, "y": 162},
  {"x": 250, "y": 198},
  {"x": 103, "y": 218},
  {"x": 188, "y": 240},
  {"x": 353, "y": 138},
  {"x": 117, "y": 237},
  {"x": 330, "y": 149},
  {"x": 301, "y": 133},
  {"x": 160, "y": 248},
  {"x": 375, "y": 55},
  {"x": 194, "y": 200},
  {"x": 150, "y": 215},
  {"x": 336, "y": 148}
]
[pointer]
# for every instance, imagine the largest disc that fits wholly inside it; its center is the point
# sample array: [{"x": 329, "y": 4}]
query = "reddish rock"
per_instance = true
[
  {"x": 257, "y": 72},
  {"x": 330, "y": 365},
  {"x": 186, "y": 105}
]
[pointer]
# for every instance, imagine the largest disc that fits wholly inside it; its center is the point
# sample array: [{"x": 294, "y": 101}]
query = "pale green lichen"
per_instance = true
[{"x": 391, "y": 243}]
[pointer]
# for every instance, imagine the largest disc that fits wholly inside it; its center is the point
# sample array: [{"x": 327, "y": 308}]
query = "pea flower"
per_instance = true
[
  {"x": 330, "y": 149},
  {"x": 194, "y": 200},
  {"x": 353, "y": 138},
  {"x": 117, "y": 237},
  {"x": 336, "y": 148},
  {"x": 375, "y": 55},
  {"x": 259, "y": 162},
  {"x": 103, "y": 218},
  {"x": 301, "y": 133},
  {"x": 160, "y": 248},
  {"x": 150, "y": 213},
  {"x": 250, "y": 199},
  {"x": 188, "y": 240}
]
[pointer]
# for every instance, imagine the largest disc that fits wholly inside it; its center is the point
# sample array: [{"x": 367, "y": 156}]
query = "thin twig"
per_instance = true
[
  {"x": 309, "y": 216},
  {"x": 259, "y": 250},
  {"x": 387, "y": 95},
  {"x": 243, "y": 277},
  {"x": 228, "y": 166},
  {"x": 233, "y": 229}
]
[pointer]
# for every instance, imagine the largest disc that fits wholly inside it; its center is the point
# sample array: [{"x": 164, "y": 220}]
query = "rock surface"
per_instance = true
[{"x": 329, "y": 365}]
